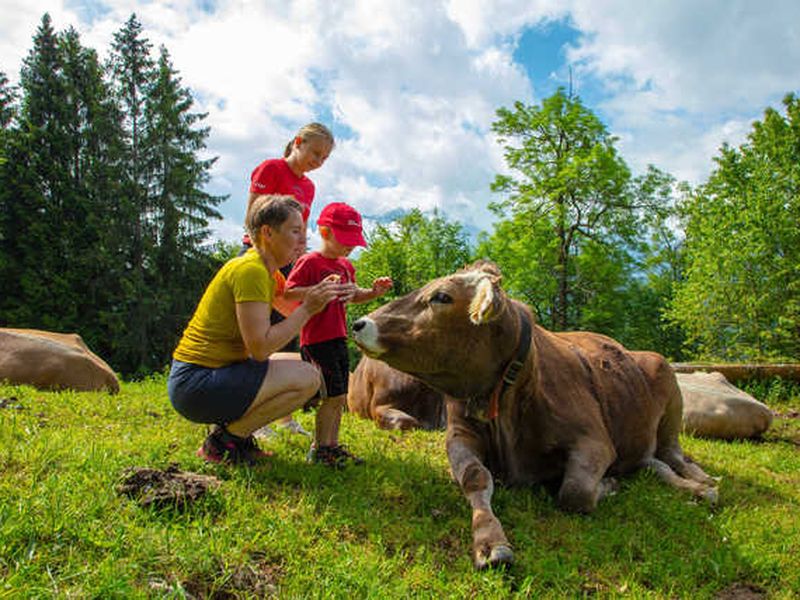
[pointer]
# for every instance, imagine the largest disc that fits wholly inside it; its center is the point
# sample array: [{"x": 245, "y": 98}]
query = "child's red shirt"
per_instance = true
[{"x": 309, "y": 270}]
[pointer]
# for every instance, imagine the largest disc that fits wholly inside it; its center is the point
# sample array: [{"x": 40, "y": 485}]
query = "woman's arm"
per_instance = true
[
  {"x": 262, "y": 339},
  {"x": 295, "y": 294}
]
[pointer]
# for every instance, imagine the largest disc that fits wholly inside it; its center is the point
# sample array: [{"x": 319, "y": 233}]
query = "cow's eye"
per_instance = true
[{"x": 441, "y": 298}]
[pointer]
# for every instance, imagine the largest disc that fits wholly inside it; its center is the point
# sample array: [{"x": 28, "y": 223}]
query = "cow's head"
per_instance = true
[{"x": 454, "y": 334}]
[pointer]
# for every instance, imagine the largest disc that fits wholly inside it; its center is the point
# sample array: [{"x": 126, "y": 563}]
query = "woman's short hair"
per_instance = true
[{"x": 269, "y": 209}]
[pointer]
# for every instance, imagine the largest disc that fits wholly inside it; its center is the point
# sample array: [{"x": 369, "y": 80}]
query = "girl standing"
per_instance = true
[{"x": 308, "y": 150}]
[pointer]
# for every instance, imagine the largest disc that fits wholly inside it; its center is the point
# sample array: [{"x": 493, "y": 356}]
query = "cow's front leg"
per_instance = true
[
  {"x": 489, "y": 543},
  {"x": 583, "y": 483}
]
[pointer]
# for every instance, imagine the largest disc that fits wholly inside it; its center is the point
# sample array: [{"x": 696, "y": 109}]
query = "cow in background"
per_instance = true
[
  {"x": 530, "y": 406},
  {"x": 715, "y": 408},
  {"x": 393, "y": 399},
  {"x": 52, "y": 361}
]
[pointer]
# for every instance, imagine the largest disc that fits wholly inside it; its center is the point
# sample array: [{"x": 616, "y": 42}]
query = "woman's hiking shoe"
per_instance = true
[
  {"x": 249, "y": 446},
  {"x": 222, "y": 446},
  {"x": 335, "y": 457}
]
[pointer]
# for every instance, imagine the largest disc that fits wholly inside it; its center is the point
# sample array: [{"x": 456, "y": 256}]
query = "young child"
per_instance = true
[
  {"x": 323, "y": 339},
  {"x": 308, "y": 150}
]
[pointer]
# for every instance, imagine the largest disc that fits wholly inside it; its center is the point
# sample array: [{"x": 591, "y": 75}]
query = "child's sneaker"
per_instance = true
[
  {"x": 293, "y": 426},
  {"x": 335, "y": 457}
]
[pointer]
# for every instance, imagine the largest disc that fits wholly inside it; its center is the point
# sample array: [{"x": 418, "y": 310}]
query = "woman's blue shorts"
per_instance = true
[{"x": 221, "y": 395}]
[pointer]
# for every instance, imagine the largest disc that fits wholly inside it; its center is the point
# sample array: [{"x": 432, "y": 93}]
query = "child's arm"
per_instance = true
[{"x": 379, "y": 287}]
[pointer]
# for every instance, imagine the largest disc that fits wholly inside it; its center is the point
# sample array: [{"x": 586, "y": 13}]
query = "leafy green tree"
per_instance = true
[
  {"x": 740, "y": 299},
  {"x": 568, "y": 170},
  {"x": 572, "y": 245},
  {"x": 412, "y": 250}
]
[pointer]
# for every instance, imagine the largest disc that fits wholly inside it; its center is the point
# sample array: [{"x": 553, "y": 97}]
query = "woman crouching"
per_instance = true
[{"x": 222, "y": 372}]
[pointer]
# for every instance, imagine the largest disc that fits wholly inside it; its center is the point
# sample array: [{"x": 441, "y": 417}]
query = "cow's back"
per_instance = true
[
  {"x": 633, "y": 390},
  {"x": 49, "y": 360},
  {"x": 578, "y": 382}
]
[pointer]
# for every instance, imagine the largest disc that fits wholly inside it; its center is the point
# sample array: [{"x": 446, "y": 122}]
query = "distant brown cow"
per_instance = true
[
  {"x": 393, "y": 399},
  {"x": 49, "y": 360},
  {"x": 528, "y": 405}
]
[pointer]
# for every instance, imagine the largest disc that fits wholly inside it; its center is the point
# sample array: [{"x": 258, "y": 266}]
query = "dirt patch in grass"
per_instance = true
[
  {"x": 170, "y": 487},
  {"x": 258, "y": 578},
  {"x": 741, "y": 591},
  {"x": 12, "y": 403}
]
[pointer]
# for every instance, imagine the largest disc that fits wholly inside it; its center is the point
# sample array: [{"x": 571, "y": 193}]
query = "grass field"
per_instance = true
[{"x": 394, "y": 528}]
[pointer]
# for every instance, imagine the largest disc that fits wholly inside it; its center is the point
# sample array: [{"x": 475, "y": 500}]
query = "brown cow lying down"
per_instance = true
[
  {"x": 393, "y": 399},
  {"x": 714, "y": 408},
  {"x": 527, "y": 405},
  {"x": 49, "y": 360}
]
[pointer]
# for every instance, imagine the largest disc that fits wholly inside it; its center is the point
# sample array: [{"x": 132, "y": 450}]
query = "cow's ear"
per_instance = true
[{"x": 487, "y": 302}]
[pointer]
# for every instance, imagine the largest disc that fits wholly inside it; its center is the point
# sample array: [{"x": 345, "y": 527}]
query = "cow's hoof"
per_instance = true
[
  {"x": 499, "y": 556},
  {"x": 710, "y": 496}
]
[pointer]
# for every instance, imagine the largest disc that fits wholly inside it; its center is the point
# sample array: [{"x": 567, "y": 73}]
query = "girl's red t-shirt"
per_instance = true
[{"x": 275, "y": 176}]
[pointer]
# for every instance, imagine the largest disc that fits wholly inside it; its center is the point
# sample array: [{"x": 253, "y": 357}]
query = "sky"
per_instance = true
[{"x": 410, "y": 87}]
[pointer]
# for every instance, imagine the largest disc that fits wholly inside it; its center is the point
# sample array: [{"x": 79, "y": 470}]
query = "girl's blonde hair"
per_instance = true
[
  {"x": 306, "y": 132},
  {"x": 269, "y": 209}
]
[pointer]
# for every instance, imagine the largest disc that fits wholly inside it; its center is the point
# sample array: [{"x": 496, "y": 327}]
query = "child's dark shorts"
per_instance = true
[
  {"x": 332, "y": 360},
  {"x": 220, "y": 395}
]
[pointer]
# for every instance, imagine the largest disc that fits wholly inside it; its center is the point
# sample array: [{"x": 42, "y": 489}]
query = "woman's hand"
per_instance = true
[{"x": 318, "y": 296}]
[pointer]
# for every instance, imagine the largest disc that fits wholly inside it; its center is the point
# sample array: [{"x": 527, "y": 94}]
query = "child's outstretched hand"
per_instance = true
[{"x": 382, "y": 285}]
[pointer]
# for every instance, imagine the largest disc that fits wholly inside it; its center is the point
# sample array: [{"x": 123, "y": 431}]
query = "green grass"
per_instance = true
[{"x": 395, "y": 528}]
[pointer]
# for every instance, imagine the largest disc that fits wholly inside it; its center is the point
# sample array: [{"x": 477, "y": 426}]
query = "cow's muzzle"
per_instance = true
[{"x": 365, "y": 334}]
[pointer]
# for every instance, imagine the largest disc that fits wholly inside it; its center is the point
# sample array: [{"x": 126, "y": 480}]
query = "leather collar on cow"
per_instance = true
[{"x": 512, "y": 368}]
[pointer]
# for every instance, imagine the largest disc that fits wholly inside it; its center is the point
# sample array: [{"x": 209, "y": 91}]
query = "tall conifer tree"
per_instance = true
[
  {"x": 33, "y": 188},
  {"x": 103, "y": 217},
  {"x": 181, "y": 209},
  {"x": 131, "y": 68}
]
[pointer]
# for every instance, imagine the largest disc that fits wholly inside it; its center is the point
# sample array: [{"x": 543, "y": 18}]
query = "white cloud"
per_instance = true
[
  {"x": 682, "y": 77},
  {"x": 20, "y": 20},
  {"x": 482, "y": 20},
  {"x": 412, "y": 87},
  {"x": 709, "y": 56}
]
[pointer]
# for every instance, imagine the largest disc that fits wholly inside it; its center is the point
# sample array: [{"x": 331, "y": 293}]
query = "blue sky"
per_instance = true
[{"x": 410, "y": 90}]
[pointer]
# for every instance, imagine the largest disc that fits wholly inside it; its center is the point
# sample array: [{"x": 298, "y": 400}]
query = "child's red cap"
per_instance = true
[{"x": 345, "y": 223}]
